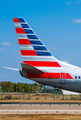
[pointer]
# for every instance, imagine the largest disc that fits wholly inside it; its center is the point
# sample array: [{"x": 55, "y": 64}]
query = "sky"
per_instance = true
[{"x": 56, "y": 22}]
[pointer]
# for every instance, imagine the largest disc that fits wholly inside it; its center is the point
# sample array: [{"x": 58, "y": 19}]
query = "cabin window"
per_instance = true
[
  {"x": 79, "y": 77},
  {"x": 75, "y": 77}
]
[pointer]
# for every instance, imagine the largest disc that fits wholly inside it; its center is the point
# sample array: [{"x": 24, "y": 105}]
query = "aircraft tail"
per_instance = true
[{"x": 33, "y": 51}]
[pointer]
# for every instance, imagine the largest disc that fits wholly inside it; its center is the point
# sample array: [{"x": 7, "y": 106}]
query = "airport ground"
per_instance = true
[
  {"x": 40, "y": 108},
  {"x": 40, "y": 97},
  {"x": 40, "y": 112}
]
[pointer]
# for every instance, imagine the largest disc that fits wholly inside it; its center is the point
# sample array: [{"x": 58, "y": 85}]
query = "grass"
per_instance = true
[
  {"x": 49, "y": 97},
  {"x": 40, "y": 117}
]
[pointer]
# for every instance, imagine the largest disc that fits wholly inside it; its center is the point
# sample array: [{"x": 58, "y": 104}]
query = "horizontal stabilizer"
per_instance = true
[{"x": 30, "y": 69}]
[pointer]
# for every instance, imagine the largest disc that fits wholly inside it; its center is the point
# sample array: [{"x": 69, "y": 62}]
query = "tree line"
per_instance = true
[{"x": 7, "y": 86}]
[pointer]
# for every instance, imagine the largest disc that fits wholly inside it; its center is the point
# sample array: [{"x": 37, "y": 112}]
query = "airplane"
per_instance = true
[{"x": 40, "y": 65}]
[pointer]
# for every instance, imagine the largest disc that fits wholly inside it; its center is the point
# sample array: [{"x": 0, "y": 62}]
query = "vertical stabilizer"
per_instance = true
[{"x": 33, "y": 51}]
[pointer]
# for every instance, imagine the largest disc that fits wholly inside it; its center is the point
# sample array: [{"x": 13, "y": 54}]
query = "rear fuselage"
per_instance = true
[{"x": 68, "y": 77}]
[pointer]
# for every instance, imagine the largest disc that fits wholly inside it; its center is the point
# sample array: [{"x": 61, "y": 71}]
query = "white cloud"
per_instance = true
[
  {"x": 17, "y": 53},
  {"x": 74, "y": 2},
  {"x": 2, "y": 50},
  {"x": 77, "y": 2},
  {"x": 77, "y": 21},
  {"x": 7, "y": 53},
  {"x": 6, "y": 43},
  {"x": 69, "y": 2},
  {"x": 54, "y": 48}
]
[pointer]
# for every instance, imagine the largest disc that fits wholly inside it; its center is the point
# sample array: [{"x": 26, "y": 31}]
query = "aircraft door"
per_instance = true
[{"x": 62, "y": 78}]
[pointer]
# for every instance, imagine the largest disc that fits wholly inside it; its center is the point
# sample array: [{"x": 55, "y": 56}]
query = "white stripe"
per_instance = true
[
  {"x": 18, "y": 25},
  {"x": 35, "y": 40},
  {"x": 39, "y": 45},
  {"x": 27, "y": 28},
  {"x": 30, "y": 34},
  {"x": 25, "y": 37},
  {"x": 23, "y": 23},
  {"x": 26, "y": 47},
  {"x": 37, "y": 58},
  {"x": 42, "y": 50},
  {"x": 22, "y": 36},
  {"x": 47, "y": 57},
  {"x": 51, "y": 69}
]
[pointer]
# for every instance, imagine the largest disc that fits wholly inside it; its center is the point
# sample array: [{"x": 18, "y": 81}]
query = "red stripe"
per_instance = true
[
  {"x": 20, "y": 30},
  {"x": 43, "y": 63},
  {"x": 68, "y": 76},
  {"x": 24, "y": 41},
  {"x": 45, "y": 75},
  {"x": 48, "y": 75},
  {"x": 16, "y": 20},
  {"x": 28, "y": 52}
]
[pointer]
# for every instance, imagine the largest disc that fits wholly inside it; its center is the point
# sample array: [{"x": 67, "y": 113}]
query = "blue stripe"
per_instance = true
[
  {"x": 39, "y": 48},
  {"x": 21, "y": 20},
  {"x": 43, "y": 53},
  {"x": 32, "y": 36},
  {"x": 29, "y": 31},
  {"x": 25, "y": 26},
  {"x": 36, "y": 42}
]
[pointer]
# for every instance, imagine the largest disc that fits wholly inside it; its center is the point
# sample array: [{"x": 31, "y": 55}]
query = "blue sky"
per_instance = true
[{"x": 56, "y": 22}]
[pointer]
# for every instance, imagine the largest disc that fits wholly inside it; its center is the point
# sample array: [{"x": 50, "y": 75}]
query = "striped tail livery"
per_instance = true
[{"x": 40, "y": 65}]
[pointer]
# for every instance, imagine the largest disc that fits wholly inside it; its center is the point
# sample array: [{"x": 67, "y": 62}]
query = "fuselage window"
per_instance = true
[
  {"x": 75, "y": 77},
  {"x": 79, "y": 77}
]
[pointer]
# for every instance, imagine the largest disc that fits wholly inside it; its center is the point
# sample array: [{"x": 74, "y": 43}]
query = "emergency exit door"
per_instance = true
[{"x": 62, "y": 78}]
